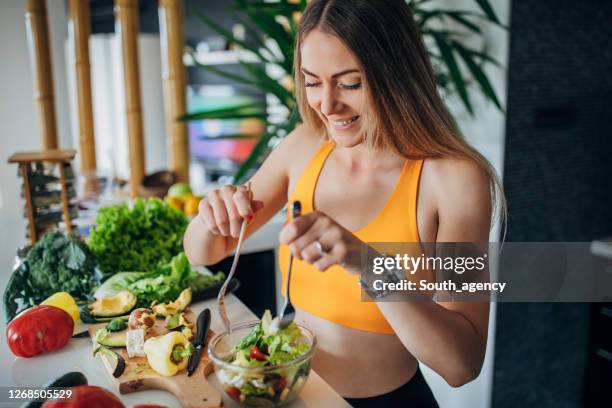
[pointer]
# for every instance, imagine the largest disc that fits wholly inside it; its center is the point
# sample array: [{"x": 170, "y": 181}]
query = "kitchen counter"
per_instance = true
[{"x": 76, "y": 356}]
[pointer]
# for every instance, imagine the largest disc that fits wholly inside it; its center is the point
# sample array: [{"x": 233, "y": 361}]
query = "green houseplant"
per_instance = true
[{"x": 272, "y": 28}]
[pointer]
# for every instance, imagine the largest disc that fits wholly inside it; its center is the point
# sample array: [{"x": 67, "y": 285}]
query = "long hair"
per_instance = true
[{"x": 405, "y": 112}]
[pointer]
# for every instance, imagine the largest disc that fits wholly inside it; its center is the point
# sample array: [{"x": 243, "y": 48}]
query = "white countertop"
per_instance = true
[{"x": 76, "y": 356}]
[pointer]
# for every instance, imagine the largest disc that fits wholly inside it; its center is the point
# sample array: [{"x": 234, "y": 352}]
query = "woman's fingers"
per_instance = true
[
  {"x": 206, "y": 212},
  {"x": 297, "y": 227},
  {"x": 220, "y": 213},
  {"x": 313, "y": 252},
  {"x": 242, "y": 200},
  {"x": 234, "y": 218},
  {"x": 308, "y": 238},
  {"x": 224, "y": 209},
  {"x": 334, "y": 248}
]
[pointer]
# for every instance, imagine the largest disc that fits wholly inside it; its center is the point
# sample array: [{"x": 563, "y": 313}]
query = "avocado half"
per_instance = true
[
  {"x": 117, "y": 305},
  {"x": 169, "y": 309}
]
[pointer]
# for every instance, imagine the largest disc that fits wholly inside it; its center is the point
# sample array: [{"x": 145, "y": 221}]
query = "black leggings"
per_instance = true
[{"x": 415, "y": 393}]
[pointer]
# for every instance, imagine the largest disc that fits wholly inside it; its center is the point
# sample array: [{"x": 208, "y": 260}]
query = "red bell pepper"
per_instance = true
[{"x": 38, "y": 330}]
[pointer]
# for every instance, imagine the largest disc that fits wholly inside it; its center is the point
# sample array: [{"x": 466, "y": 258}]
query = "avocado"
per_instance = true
[
  {"x": 169, "y": 309},
  {"x": 110, "y": 339},
  {"x": 117, "y": 305}
]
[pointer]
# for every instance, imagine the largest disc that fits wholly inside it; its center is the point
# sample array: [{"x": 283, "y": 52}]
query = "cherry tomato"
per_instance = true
[
  {"x": 38, "y": 330},
  {"x": 280, "y": 385},
  {"x": 233, "y": 392},
  {"x": 256, "y": 354},
  {"x": 87, "y": 396}
]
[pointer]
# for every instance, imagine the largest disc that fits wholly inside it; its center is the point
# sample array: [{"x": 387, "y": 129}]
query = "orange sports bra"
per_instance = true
[{"x": 335, "y": 295}]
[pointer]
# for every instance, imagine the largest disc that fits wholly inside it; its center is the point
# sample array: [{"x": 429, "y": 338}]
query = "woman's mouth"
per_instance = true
[{"x": 343, "y": 124}]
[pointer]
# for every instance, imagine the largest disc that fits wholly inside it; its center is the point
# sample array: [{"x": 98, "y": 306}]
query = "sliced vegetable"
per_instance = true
[
  {"x": 141, "y": 318},
  {"x": 86, "y": 316},
  {"x": 117, "y": 324},
  {"x": 175, "y": 321},
  {"x": 169, "y": 309},
  {"x": 257, "y": 354},
  {"x": 233, "y": 392},
  {"x": 119, "y": 304},
  {"x": 119, "y": 361},
  {"x": 168, "y": 354},
  {"x": 38, "y": 330},
  {"x": 110, "y": 339}
]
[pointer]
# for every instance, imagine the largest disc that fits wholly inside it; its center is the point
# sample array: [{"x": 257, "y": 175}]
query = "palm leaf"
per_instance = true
[
  {"x": 260, "y": 148},
  {"x": 229, "y": 36},
  {"x": 478, "y": 75},
  {"x": 225, "y": 74},
  {"x": 271, "y": 85},
  {"x": 272, "y": 28},
  {"x": 453, "y": 69},
  {"x": 459, "y": 17},
  {"x": 485, "y": 6}
]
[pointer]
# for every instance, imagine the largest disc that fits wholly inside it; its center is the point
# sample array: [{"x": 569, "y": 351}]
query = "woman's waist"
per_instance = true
[{"x": 358, "y": 363}]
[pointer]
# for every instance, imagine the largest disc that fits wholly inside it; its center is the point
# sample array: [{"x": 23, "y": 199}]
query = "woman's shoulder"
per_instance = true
[
  {"x": 455, "y": 171},
  {"x": 460, "y": 192},
  {"x": 295, "y": 150},
  {"x": 303, "y": 138},
  {"x": 299, "y": 145},
  {"x": 458, "y": 182}
]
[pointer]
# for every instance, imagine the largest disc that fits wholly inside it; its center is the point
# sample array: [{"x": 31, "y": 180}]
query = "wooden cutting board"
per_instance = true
[{"x": 192, "y": 392}]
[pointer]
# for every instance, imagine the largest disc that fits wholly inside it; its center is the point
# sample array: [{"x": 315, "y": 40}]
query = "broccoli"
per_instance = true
[{"x": 57, "y": 263}]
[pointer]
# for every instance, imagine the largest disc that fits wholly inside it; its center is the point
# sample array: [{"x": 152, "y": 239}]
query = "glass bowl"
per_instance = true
[{"x": 269, "y": 386}]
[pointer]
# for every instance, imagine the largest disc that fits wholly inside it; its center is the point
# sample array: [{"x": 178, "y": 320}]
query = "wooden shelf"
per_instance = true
[{"x": 47, "y": 156}]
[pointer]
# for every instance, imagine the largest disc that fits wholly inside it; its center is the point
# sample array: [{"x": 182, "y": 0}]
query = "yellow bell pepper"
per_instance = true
[
  {"x": 64, "y": 301},
  {"x": 191, "y": 205},
  {"x": 168, "y": 354}
]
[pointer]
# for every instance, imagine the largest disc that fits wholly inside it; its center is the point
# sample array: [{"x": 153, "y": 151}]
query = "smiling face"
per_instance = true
[{"x": 334, "y": 88}]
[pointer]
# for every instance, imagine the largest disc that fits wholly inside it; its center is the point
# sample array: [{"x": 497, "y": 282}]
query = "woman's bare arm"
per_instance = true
[
  {"x": 269, "y": 185},
  {"x": 451, "y": 337}
]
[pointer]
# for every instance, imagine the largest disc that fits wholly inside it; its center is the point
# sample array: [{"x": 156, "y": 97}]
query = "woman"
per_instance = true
[{"x": 377, "y": 159}]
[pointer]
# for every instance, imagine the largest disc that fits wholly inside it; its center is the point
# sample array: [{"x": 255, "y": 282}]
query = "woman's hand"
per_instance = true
[
  {"x": 322, "y": 242},
  {"x": 224, "y": 209}
]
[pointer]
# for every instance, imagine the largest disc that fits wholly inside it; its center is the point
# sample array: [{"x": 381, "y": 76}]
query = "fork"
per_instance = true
[
  {"x": 221, "y": 296},
  {"x": 287, "y": 313}
]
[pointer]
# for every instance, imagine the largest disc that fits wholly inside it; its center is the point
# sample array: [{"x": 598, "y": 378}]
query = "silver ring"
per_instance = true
[{"x": 320, "y": 248}]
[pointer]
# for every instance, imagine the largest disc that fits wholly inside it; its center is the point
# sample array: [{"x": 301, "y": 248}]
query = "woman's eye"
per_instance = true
[
  {"x": 343, "y": 86},
  {"x": 352, "y": 86}
]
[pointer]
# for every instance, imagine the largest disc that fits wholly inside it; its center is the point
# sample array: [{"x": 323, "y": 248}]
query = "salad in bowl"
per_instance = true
[{"x": 260, "y": 367}]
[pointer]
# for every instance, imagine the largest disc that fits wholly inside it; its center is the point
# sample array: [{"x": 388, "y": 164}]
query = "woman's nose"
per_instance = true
[{"x": 329, "y": 101}]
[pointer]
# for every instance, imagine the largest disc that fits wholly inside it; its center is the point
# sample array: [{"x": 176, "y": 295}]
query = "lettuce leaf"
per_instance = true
[{"x": 137, "y": 237}]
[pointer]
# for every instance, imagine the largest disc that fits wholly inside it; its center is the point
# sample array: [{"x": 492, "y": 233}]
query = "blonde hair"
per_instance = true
[{"x": 406, "y": 113}]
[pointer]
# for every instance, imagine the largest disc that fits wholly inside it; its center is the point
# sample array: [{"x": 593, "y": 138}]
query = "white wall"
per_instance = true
[
  {"x": 108, "y": 92},
  {"x": 486, "y": 132},
  {"x": 18, "y": 121}
]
